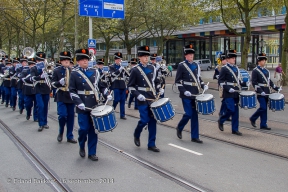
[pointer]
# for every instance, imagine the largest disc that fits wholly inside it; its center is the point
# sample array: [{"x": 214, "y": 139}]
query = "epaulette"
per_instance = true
[
  {"x": 76, "y": 69},
  {"x": 182, "y": 62},
  {"x": 56, "y": 67}
]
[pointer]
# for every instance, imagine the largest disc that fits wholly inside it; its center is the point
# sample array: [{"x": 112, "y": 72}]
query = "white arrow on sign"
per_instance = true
[
  {"x": 86, "y": 10},
  {"x": 96, "y": 11},
  {"x": 113, "y": 13}
]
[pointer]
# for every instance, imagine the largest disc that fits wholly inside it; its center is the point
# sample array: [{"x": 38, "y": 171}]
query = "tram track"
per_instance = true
[
  {"x": 44, "y": 170},
  {"x": 148, "y": 165}
]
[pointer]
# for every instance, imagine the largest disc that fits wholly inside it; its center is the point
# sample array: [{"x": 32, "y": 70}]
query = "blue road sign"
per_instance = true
[
  {"x": 91, "y": 43},
  {"x": 102, "y": 8}
]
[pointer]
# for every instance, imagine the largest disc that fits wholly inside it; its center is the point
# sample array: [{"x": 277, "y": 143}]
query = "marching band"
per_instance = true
[{"x": 88, "y": 88}]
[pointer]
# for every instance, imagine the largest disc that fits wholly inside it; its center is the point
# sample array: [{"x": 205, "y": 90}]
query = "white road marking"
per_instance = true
[{"x": 184, "y": 149}]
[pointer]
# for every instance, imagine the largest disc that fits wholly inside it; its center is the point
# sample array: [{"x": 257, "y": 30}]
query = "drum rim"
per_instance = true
[
  {"x": 101, "y": 112},
  {"x": 273, "y": 94},
  {"x": 253, "y": 93},
  {"x": 167, "y": 100},
  {"x": 204, "y": 95}
]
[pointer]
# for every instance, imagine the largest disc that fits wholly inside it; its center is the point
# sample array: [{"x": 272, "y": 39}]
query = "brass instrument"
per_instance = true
[
  {"x": 2, "y": 53},
  {"x": 28, "y": 52}
]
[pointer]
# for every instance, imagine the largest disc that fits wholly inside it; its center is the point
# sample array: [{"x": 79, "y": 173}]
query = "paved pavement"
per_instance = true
[{"x": 214, "y": 165}]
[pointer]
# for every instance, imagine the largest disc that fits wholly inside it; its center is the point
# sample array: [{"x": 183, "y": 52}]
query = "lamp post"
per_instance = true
[{"x": 262, "y": 44}]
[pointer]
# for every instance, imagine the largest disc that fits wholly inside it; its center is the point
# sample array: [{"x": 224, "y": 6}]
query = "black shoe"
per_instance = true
[
  {"x": 28, "y": 117},
  {"x": 13, "y": 108},
  {"x": 71, "y": 141},
  {"x": 179, "y": 133},
  {"x": 93, "y": 157},
  {"x": 82, "y": 152},
  {"x": 135, "y": 108},
  {"x": 154, "y": 149},
  {"x": 2, "y": 102},
  {"x": 237, "y": 133},
  {"x": 229, "y": 119},
  {"x": 40, "y": 128},
  {"x": 124, "y": 118},
  {"x": 21, "y": 111},
  {"x": 35, "y": 120},
  {"x": 197, "y": 140},
  {"x": 60, "y": 137},
  {"x": 129, "y": 105},
  {"x": 137, "y": 141},
  {"x": 6, "y": 105},
  {"x": 265, "y": 128},
  {"x": 253, "y": 123},
  {"x": 46, "y": 126},
  {"x": 220, "y": 126}
]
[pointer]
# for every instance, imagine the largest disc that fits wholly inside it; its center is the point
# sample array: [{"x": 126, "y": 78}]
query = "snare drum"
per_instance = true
[
  {"x": 276, "y": 102},
  {"x": 247, "y": 99},
  {"x": 104, "y": 118},
  {"x": 205, "y": 104},
  {"x": 162, "y": 110}
]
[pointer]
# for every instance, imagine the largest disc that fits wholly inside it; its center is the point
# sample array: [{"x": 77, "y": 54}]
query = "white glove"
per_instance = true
[
  {"x": 161, "y": 91},
  {"x": 231, "y": 90},
  {"x": 280, "y": 89},
  {"x": 217, "y": 76},
  {"x": 248, "y": 84},
  {"x": 109, "y": 97},
  {"x": 158, "y": 86},
  {"x": 62, "y": 81},
  {"x": 19, "y": 75},
  {"x": 106, "y": 91},
  {"x": 141, "y": 97},
  {"x": 263, "y": 93},
  {"x": 44, "y": 75},
  {"x": 81, "y": 106},
  {"x": 206, "y": 87},
  {"x": 187, "y": 93}
]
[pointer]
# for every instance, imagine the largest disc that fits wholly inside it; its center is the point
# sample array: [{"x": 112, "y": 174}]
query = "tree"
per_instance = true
[
  {"x": 164, "y": 17},
  {"x": 284, "y": 59}
]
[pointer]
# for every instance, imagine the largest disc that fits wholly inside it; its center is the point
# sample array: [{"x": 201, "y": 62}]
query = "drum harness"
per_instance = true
[
  {"x": 192, "y": 74},
  {"x": 265, "y": 78},
  {"x": 147, "y": 80},
  {"x": 236, "y": 78},
  {"x": 90, "y": 84}
]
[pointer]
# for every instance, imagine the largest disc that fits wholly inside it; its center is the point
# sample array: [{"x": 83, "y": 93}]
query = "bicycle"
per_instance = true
[{"x": 175, "y": 88}]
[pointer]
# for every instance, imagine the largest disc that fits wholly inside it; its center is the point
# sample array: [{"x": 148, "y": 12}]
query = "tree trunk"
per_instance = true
[
  {"x": 18, "y": 41},
  {"x": 284, "y": 58}
]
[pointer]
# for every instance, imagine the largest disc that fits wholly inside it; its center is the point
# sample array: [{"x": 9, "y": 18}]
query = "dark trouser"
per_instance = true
[
  {"x": 261, "y": 111},
  {"x": 7, "y": 95},
  {"x": 13, "y": 97},
  {"x": 29, "y": 101},
  {"x": 20, "y": 99},
  {"x": 192, "y": 115},
  {"x": 87, "y": 129},
  {"x": 131, "y": 98},
  {"x": 146, "y": 117},
  {"x": 42, "y": 106},
  {"x": 120, "y": 96},
  {"x": 66, "y": 117},
  {"x": 232, "y": 110}
]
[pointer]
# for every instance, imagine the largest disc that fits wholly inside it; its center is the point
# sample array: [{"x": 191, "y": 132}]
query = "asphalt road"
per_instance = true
[{"x": 214, "y": 165}]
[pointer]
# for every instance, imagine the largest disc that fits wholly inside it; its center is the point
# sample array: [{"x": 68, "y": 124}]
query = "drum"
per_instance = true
[
  {"x": 247, "y": 99},
  {"x": 276, "y": 102},
  {"x": 162, "y": 110},
  {"x": 104, "y": 119},
  {"x": 244, "y": 75},
  {"x": 205, "y": 104}
]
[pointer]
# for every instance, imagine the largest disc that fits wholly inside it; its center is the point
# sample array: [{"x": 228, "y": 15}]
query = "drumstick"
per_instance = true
[
  {"x": 159, "y": 92},
  {"x": 205, "y": 90},
  {"x": 107, "y": 101},
  {"x": 150, "y": 99},
  {"x": 88, "y": 108}
]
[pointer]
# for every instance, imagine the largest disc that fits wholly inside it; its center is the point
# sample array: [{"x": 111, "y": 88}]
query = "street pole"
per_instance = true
[
  {"x": 24, "y": 20},
  {"x": 90, "y": 28},
  {"x": 76, "y": 24}
]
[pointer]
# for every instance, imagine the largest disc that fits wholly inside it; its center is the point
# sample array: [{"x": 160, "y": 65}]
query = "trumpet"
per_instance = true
[{"x": 67, "y": 77}]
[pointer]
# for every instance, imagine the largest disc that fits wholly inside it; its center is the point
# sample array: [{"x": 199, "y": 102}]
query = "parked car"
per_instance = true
[{"x": 205, "y": 64}]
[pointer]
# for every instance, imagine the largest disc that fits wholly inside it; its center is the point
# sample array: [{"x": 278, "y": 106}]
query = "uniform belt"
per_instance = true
[
  {"x": 120, "y": 78},
  {"x": 41, "y": 81},
  {"x": 263, "y": 85},
  {"x": 144, "y": 89},
  {"x": 233, "y": 84},
  {"x": 85, "y": 92},
  {"x": 27, "y": 84},
  {"x": 63, "y": 89},
  {"x": 103, "y": 81},
  {"x": 190, "y": 83},
  {"x": 7, "y": 79}
]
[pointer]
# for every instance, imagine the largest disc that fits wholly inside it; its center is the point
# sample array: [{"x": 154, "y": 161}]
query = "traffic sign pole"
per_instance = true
[{"x": 90, "y": 28}]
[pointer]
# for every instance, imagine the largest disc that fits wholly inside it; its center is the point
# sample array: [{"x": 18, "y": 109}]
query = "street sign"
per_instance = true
[
  {"x": 91, "y": 43},
  {"x": 102, "y": 8},
  {"x": 92, "y": 50}
]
